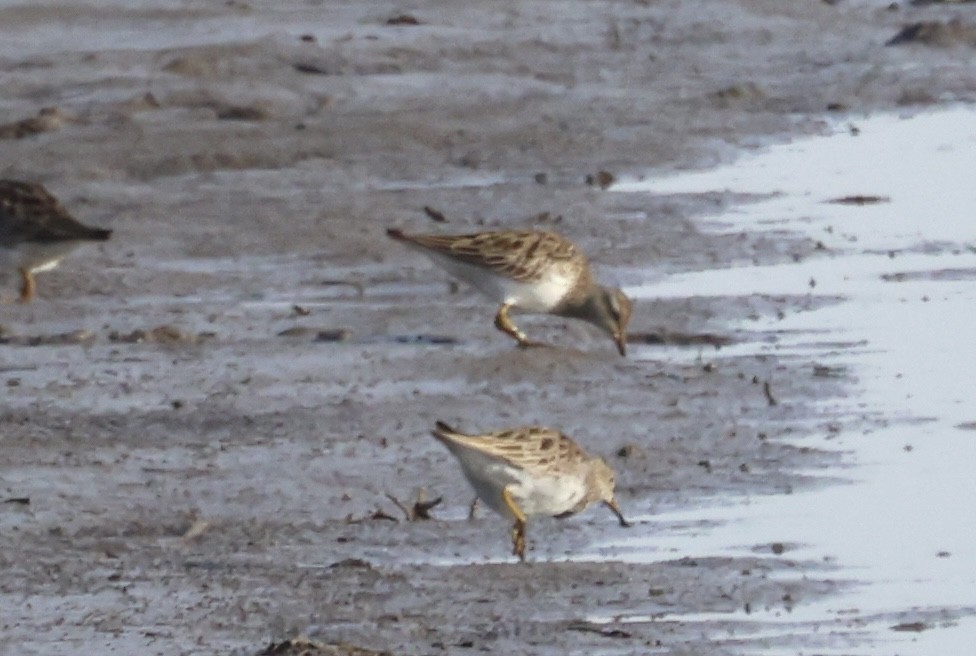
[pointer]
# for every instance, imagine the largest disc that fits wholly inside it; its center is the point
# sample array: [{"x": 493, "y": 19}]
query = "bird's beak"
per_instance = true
[
  {"x": 612, "y": 505},
  {"x": 621, "y": 341}
]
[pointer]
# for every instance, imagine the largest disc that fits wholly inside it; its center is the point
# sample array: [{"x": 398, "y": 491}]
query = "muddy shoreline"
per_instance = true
[{"x": 208, "y": 469}]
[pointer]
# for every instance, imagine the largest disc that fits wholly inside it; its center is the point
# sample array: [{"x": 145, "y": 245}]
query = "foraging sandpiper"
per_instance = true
[{"x": 533, "y": 271}]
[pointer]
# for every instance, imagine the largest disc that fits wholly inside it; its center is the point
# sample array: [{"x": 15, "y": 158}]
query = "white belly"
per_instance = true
[
  {"x": 36, "y": 257},
  {"x": 538, "y": 297},
  {"x": 548, "y": 495}
]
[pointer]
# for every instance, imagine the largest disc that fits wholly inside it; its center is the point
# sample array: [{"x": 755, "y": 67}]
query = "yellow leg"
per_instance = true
[
  {"x": 512, "y": 506},
  {"x": 29, "y": 286},
  {"x": 518, "y": 530},
  {"x": 518, "y": 540},
  {"x": 505, "y": 324}
]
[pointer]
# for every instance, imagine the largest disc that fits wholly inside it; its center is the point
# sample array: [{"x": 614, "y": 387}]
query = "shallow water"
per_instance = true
[{"x": 905, "y": 527}]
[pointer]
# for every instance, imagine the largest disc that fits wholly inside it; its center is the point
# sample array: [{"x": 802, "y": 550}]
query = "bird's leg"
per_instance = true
[
  {"x": 472, "y": 509},
  {"x": 612, "y": 505},
  {"x": 505, "y": 324},
  {"x": 29, "y": 286},
  {"x": 518, "y": 540},
  {"x": 518, "y": 529}
]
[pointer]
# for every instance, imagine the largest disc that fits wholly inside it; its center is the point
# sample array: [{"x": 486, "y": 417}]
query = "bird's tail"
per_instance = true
[{"x": 442, "y": 431}]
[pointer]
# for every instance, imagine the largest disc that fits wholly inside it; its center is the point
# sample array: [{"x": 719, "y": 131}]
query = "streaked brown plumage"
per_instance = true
[
  {"x": 528, "y": 471},
  {"x": 531, "y": 270},
  {"x": 36, "y": 231},
  {"x": 522, "y": 255}
]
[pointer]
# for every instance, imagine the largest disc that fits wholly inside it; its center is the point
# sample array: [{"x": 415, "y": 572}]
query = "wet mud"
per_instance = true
[{"x": 207, "y": 422}]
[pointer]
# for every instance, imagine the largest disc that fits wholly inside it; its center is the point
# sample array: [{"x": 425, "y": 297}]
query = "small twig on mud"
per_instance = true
[
  {"x": 769, "y": 393},
  {"x": 399, "y": 504},
  {"x": 382, "y": 514},
  {"x": 435, "y": 215},
  {"x": 586, "y": 627},
  {"x": 378, "y": 514},
  {"x": 420, "y": 510}
]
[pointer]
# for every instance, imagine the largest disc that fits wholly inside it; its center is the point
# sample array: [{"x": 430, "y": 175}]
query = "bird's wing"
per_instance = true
[
  {"x": 511, "y": 253},
  {"x": 530, "y": 447},
  {"x": 29, "y": 212}
]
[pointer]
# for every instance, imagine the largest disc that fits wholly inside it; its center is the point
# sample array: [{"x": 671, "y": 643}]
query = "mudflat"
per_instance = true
[{"x": 209, "y": 424}]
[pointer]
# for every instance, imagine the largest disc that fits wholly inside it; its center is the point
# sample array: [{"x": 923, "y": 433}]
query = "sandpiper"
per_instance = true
[
  {"x": 36, "y": 232},
  {"x": 529, "y": 471},
  {"x": 529, "y": 270}
]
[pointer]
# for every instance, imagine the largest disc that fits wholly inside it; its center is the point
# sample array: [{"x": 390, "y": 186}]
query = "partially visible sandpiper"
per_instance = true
[
  {"x": 36, "y": 232},
  {"x": 529, "y": 471},
  {"x": 529, "y": 270}
]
